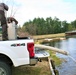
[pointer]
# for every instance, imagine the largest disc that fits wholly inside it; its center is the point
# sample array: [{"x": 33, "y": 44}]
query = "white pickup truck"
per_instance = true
[{"x": 16, "y": 51}]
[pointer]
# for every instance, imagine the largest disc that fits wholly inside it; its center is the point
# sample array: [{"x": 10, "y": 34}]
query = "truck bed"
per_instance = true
[{"x": 18, "y": 38}]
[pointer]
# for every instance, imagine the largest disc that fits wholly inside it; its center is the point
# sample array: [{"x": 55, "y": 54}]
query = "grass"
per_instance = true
[
  {"x": 57, "y": 60},
  {"x": 26, "y": 71},
  {"x": 41, "y": 38},
  {"x": 49, "y": 36},
  {"x": 42, "y": 68}
]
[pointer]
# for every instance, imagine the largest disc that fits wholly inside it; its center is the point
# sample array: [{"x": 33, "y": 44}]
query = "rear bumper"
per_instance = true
[{"x": 33, "y": 61}]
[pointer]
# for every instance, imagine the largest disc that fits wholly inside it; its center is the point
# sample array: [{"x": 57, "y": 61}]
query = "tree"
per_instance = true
[
  {"x": 73, "y": 23},
  {"x": 39, "y": 26}
]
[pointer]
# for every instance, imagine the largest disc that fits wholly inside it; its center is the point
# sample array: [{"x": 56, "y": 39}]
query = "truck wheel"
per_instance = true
[{"x": 4, "y": 68}]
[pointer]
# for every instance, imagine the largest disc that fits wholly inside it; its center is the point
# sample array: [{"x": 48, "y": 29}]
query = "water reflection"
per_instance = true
[{"x": 69, "y": 67}]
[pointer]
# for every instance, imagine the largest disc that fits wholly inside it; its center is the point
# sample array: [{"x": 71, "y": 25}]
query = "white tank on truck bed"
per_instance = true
[
  {"x": 12, "y": 28},
  {"x": 12, "y": 31}
]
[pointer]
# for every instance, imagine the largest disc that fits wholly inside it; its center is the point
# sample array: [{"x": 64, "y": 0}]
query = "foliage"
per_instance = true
[{"x": 41, "y": 26}]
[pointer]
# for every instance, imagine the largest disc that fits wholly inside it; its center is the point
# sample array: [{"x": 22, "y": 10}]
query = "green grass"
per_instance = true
[
  {"x": 26, "y": 71},
  {"x": 57, "y": 60}
]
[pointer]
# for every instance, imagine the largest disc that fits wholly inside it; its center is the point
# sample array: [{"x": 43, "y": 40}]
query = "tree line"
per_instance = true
[{"x": 41, "y": 26}]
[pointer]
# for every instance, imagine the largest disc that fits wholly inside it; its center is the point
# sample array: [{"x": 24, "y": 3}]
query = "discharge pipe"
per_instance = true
[{"x": 51, "y": 48}]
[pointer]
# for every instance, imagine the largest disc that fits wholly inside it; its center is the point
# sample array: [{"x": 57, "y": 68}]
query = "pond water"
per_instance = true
[{"x": 68, "y": 67}]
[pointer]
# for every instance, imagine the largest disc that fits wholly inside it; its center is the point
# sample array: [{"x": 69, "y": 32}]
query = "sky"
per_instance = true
[{"x": 25, "y": 10}]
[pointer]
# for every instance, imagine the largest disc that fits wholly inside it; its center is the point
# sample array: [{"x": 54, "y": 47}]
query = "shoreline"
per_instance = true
[
  {"x": 59, "y": 35},
  {"x": 49, "y": 37}
]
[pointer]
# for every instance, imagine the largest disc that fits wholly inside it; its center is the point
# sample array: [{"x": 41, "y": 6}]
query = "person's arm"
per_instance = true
[{"x": 5, "y": 7}]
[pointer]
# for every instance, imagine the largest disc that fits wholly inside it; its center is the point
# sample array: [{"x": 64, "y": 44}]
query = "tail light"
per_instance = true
[{"x": 30, "y": 47}]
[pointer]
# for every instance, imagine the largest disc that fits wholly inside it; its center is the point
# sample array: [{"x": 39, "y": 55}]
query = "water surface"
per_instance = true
[{"x": 68, "y": 67}]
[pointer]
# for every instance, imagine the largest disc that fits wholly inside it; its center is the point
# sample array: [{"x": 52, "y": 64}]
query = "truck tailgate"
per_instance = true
[{"x": 41, "y": 53}]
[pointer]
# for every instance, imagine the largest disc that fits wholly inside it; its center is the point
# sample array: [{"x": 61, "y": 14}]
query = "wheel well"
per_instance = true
[{"x": 6, "y": 59}]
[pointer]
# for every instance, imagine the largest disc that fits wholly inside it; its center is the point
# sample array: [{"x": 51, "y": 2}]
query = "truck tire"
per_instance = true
[{"x": 5, "y": 68}]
